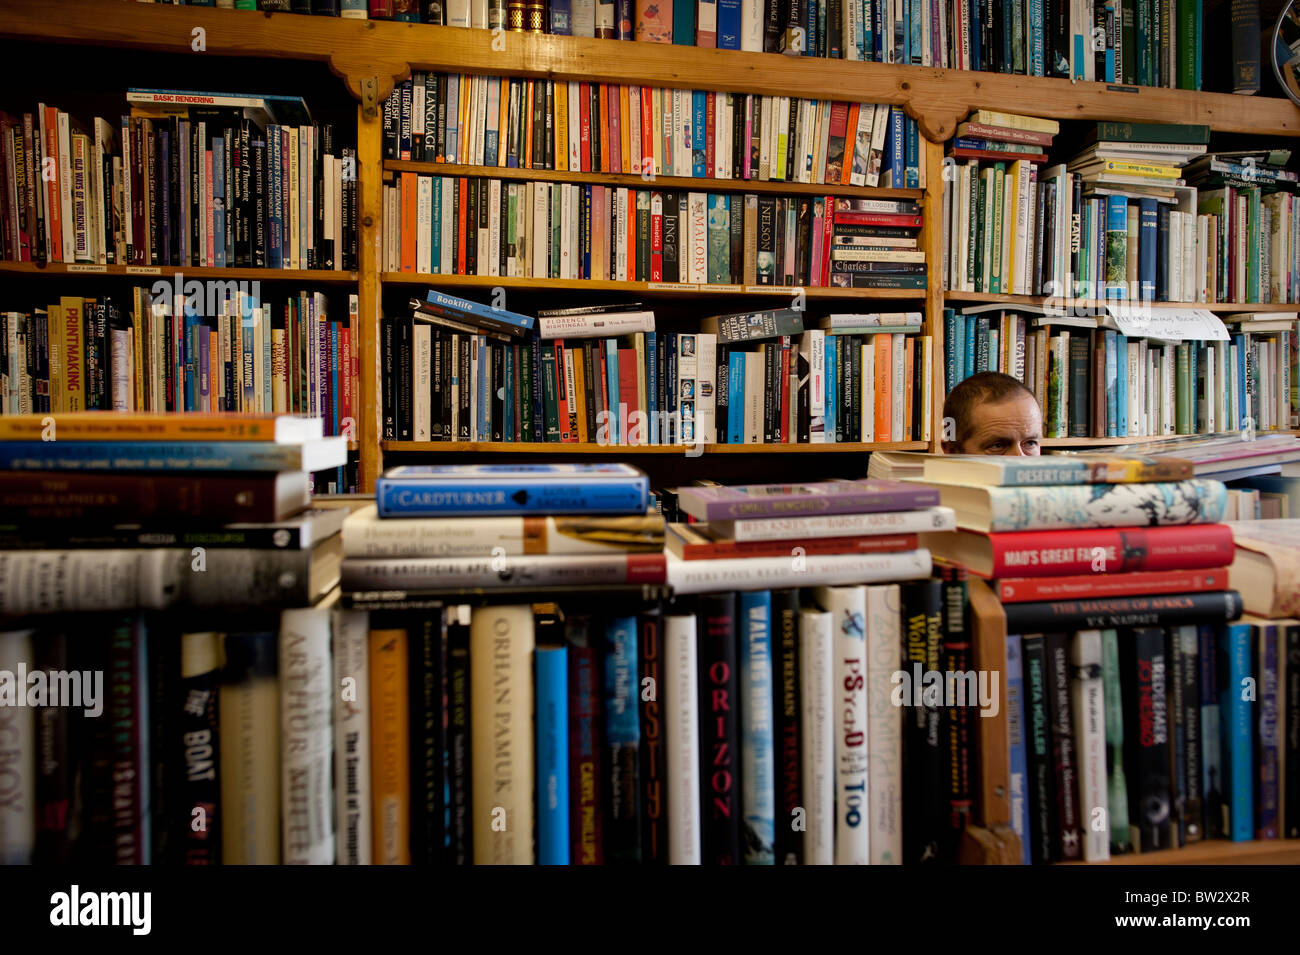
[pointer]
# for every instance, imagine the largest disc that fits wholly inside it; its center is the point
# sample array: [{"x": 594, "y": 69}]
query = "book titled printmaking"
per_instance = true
[
  {"x": 719, "y": 503},
  {"x": 499, "y": 489}
]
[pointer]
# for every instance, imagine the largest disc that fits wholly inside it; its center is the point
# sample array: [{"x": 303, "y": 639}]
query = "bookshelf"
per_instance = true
[{"x": 368, "y": 57}]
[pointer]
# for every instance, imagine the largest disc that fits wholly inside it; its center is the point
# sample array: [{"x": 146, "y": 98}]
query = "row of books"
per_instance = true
[
  {"x": 470, "y": 226},
  {"x": 1126, "y": 41},
  {"x": 579, "y": 126},
  {"x": 1102, "y": 383},
  {"x": 183, "y": 180},
  {"x": 170, "y": 350},
  {"x": 750, "y": 378}
]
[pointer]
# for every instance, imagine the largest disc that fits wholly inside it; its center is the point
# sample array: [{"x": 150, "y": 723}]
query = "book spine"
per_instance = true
[
  {"x": 653, "y": 762},
  {"x": 754, "y": 624},
  {"x": 1266, "y": 750},
  {"x": 1087, "y": 700},
  {"x": 1145, "y": 691},
  {"x": 1018, "y": 762},
  {"x": 199, "y": 798},
  {"x": 788, "y": 843},
  {"x": 682, "y": 745},
  {"x": 622, "y": 742},
  {"x": 351, "y": 659},
  {"x": 585, "y": 746},
  {"x": 1043, "y": 811},
  {"x": 552, "y": 748},
  {"x": 306, "y": 719},
  {"x": 18, "y": 820},
  {"x": 720, "y": 737}
]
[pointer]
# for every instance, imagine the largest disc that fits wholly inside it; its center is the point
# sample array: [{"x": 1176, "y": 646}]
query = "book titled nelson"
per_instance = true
[
  {"x": 721, "y": 503},
  {"x": 498, "y": 489},
  {"x": 1162, "y": 611}
]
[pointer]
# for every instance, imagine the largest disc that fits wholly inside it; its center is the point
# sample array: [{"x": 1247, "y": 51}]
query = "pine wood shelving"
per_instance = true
[
  {"x": 681, "y": 450},
  {"x": 1088, "y": 304},
  {"x": 670, "y": 289},
  {"x": 1214, "y": 852},
  {"x": 79, "y": 269},
  {"x": 636, "y": 181}
]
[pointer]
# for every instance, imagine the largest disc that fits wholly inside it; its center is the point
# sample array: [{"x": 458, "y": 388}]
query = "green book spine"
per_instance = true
[
  {"x": 1055, "y": 409},
  {"x": 1128, "y": 42},
  {"x": 1143, "y": 42},
  {"x": 999, "y": 185},
  {"x": 1189, "y": 46},
  {"x": 1117, "y": 798},
  {"x": 550, "y": 400},
  {"x": 1253, "y": 270},
  {"x": 983, "y": 225},
  {"x": 719, "y": 239},
  {"x": 1182, "y": 133},
  {"x": 1182, "y": 389}
]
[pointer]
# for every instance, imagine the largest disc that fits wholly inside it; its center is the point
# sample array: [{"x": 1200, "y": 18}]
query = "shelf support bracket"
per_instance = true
[{"x": 370, "y": 96}]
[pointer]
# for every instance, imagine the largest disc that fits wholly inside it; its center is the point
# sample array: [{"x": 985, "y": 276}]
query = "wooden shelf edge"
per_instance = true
[
  {"x": 322, "y": 276},
  {"x": 386, "y": 51},
  {"x": 643, "y": 288},
  {"x": 1214, "y": 852},
  {"x": 635, "y": 180},
  {"x": 1089, "y": 303},
  {"x": 529, "y": 447}
]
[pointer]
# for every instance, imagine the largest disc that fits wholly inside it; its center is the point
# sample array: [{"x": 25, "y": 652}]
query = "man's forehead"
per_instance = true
[{"x": 1020, "y": 413}]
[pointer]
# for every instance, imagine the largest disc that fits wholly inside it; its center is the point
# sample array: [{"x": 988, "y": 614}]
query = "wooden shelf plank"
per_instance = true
[
  {"x": 1108, "y": 442},
  {"x": 1084, "y": 304},
  {"x": 531, "y": 447},
  {"x": 1215, "y": 852},
  {"x": 682, "y": 183},
  {"x": 669, "y": 289},
  {"x": 318, "y": 276},
  {"x": 386, "y": 50}
]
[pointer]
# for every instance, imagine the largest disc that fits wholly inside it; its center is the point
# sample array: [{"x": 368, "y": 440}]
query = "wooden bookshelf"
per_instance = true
[
  {"x": 666, "y": 289},
  {"x": 312, "y": 276},
  {"x": 533, "y": 447},
  {"x": 1091, "y": 304},
  {"x": 1214, "y": 852},
  {"x": 636, "y": 181}
]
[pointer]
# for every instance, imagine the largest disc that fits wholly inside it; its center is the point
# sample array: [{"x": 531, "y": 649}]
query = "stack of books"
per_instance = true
[
  {"x": 156, "y": 571},
  {"x": 798, "y": 535},
  {"x": 458, "y": 528},
  {"x": 1224, "y": 456},
  {"x": 874, "y": 244},
  {"x": 1112, "y": 575}
]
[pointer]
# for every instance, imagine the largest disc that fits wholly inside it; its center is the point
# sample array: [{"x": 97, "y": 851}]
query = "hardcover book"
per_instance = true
[
  {"x": 719, "y": 503},
  {"x": 498, "y": 489},
  {"x": 1008, "y": 471}
]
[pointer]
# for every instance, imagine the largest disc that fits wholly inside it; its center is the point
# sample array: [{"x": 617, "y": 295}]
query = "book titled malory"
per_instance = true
[
  {"x": 498, "y": 489},
  {"x": 719, "y": 503}
]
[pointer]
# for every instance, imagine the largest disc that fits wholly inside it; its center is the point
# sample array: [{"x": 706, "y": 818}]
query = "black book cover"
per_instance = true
[
  {"x": 196, "y": 201},
  {"x": 392, "y": 106},
  {"x": 736, "y": 237},
  {"x": 448, "y": 362},
  {"x": 623, "y": 796},
  {"x": 92, "y": 810},
  {"x": 1214, "y": 806},
  {"x": 788, "y": 843},
  {"x": 54, "y": 754},
  {"x": 721, "y": 393},
  {"x": 464, "y": 395},
  {"x": 738, "y": 146},
  {"x": 803, "y": 242},
  {"x": 1058, "y": 38},
  {"x": 163, "y": 663},
  {"x": 149, "y": 140},
  {"x": 441, "y": 145},
  {"x": 925, "y": 786},
  {"x": 772, "y": 24},
  {"x": 425, "y": 636},
  {"x": 771, "y": 390},
  {"x": 460, "y": 831},
  {"x": 1061, "y": 719},
  {"x": 1289, "y": 736},
  {"x": 988, "y": 53},
  {"x": 1162, "y": 246},
  {"x": 548, "y": 132},
  {"x": 1162, "y": 610},
  {"x": 498, "y": 385},
  {"x": 1043, "y": 812},
  {"x": 388, "y": 401},
  {"x": 586, "y": 736},
  {"x": 1145, "y": 688},
  {"x": 402, "y": 334},
  {"x": 259, "y": 214},
  {"x": 130, "y": 760},
  {"x": 803, "y": 375},
  {"x": 662, "y": 385},
  {"x": 436, "y": 386},
  {"x": 1080, "y": 359},
  {"x": 196, "y": 748},
  {"x": 653, "y": 763},
  {"x": 1187, "y": 694},
  {"x": 539, "y": 414},
  {"x": 956, "y": 658},
  {"x": 842, "y": 365},
  {"x": 719, "y": 743}
]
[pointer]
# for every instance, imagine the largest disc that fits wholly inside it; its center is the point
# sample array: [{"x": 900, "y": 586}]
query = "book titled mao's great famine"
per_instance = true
[{"x": 500, "y": 489}]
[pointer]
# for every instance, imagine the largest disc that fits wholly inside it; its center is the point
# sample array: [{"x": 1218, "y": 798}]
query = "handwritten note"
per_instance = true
[{"x": 1169, "y": 324}]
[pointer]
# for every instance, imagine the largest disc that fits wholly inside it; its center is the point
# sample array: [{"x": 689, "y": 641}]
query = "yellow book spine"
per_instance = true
[
  {"x": 390, "y": 747},
  {"x": 74, "y": 364},
  {"x": 1153, "y": 169},
  {"x": 577, "y": 400},
  {"x": 988, "y": 117},
  {"x": 137, "y": 354},
  {"x": 562, "y": 126},
  {"x": 625, "y": 130}
]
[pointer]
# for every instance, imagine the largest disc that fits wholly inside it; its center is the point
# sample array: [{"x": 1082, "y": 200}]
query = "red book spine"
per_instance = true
[
  {"x": 783, "y": 418},
  {"x": 408, "y": 221},
  {"x": 902, "y": 219},
  {"x": 381, "y": 9},
  {"x": 463, "y": 207},
  {"x": 835, "y": 157},
  {"x": 648, "y": 132},
  {"x": 710, "y": 121},
  {"x": 646, "y": 568},
  {"x": 1090, "y": 587},
  {"x": 585, "y": 744},
  {"x": 828, "y": 234},
  {"x": 627, "y": 395},
  {"x": 1006, "y": 134},
  {"x": 561, "y": 394},
  {"x": 53, "y": 210},
  {"x": 345, "y": 380},
  {"x": 1110, "y": 550},
  {"x": 584, "y": 97}
]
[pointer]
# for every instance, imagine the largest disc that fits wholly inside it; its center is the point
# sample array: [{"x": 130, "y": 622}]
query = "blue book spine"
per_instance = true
[
  {"x": 188, "y": 360},
  {"x": 622, "y": 739},
  {"x": 915, "y": 25},
  {"x": 736, "y": 397},
  {"x": 149, "y": 456},
  {"x": 1243, "y": 412},
  {"x": 1235, "y": 711},
  {"x": 205, "y": 357},
  {"x": 508, "y": 372},
  {"x": 218, "y": 202},
  {"x": 832, "y": 387},
  {"x": 1112, "y": 386},
  {"x": 684, "y": 22},
  {"x": 973, "y": 18},
  {"x": 552, "y": 726},
  {"x": 1019, "y": 760},
  {"x": 968, "y": 365},
  {"x": 895, "y": 148},
  {"x": 757, "y": 772},
  {"x": 1121, "y": 352},
  {"x": 652, "y": 383},
  {"x": 435, "y": 254},
  {"x": 879, "y": 15},
  {"x": 561, "y": 24},
  {"x": 334, "y": 379},
  {"x": 810, "y": 28},
  {"x": 728, "y": 24},
  {"x": 950, "y": 367},
  {"x": 1266, "y": 754},
  {"x": 567, "y": 494},
  {"x": 455, "y": 303},
  {"x": 912, "y": 154},
  {"x": 623, "y": 26},
  {"x": 1116, "y": 230},
  {"x": 699, "y": 114},
  {"x": 1147, "y": 248},
  {"x": 611, "y": 385},
  {"x": 1211, "y": 732},
  {"x": 275, "y": 226}
]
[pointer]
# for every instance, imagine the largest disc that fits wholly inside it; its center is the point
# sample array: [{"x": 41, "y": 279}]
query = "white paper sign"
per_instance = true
[{"x": 1168, "y": 324}]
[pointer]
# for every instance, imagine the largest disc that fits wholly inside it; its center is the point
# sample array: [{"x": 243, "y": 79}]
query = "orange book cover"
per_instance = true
[
  {"x": 390, "y": 748},
  {"x": 624, "y": 130},
  {"x": 603, "y": 101},
  {"x": 463, "y": 207},
  {"x": 909, "y": 369},
  {"x": 850, "y": 140},
  {"x": 408, "y": 220},
  {"x": 562, "y": 125},
  {"x": 578, "y": 406},
  {"x": 53, "y": 205},
  {"x": 884, "y": 378}
]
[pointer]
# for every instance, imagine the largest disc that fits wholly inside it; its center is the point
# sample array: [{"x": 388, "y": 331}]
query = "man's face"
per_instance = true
[{"x": 1014, "y": 426}]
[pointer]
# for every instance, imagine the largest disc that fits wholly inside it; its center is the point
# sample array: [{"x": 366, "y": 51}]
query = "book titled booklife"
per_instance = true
[
  {"x": 468, "y": 489},
  {"x": 471, "y": 310},
  {"x": 717, "y": 503}
]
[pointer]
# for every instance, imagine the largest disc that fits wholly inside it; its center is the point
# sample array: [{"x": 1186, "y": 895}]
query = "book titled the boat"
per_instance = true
[
  {"x": 159, "y": 426},
  {"x": 315, "y": 455},
  {"x": 500, "y": 489},
  {"x": 1266, "y": 568},
  {"x": 720, "y": 502},
  {"x": 1060, "y": 553},
  {"x": 992, "y": 509},
  {"x": 1008, "y": 471}
]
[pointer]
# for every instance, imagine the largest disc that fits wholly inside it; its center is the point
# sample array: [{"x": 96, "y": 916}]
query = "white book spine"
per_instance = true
[
  {"x": 567, "y": 259},
  {"x": 705, "y": 397},
  {"x": 867, "y": 372},
  {"x": 1090, "y": 742},
  {"x": 755, "y": 374},
  {"x": 682, "y": 732},
  {"x": 424, "y": 219},
  {"x": 848, "y": 609},
  {"x": 699, "y": 233},
  {"x": 816, "y": 342},
  {"x": 899, "y": 388},
  {"x": 748, "y": 573},
  {"x": 18, "y": 748},
  {"x": 493, "y": 251},
  {"x": 583, "y": 17},
  {"x": 751, "y": 25},
  {"x": 306, "y": 737},
  {"x": 840, "y": 525},
  {"x": 884, "y": 725},
  {"x": 817, "y": 734},
  {"x": 1134, "y": 390},
  {"x": 351, "y": 702},
  {"x": 420, "y": 369}
]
